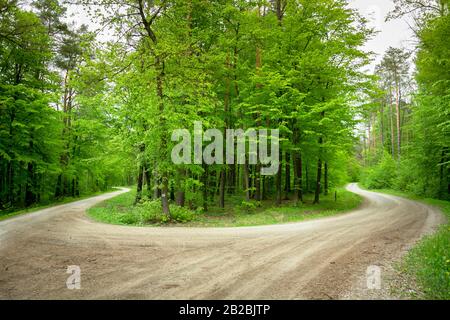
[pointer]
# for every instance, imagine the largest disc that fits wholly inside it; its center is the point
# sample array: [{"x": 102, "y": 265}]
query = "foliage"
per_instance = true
[
  {"x": 54, "y": 137},
  {"x": 428, "y": 263},
  {"x": 382, "y": 175},
  {"x": 121, "y": 210},
  {"x": 414, "y": 126}
]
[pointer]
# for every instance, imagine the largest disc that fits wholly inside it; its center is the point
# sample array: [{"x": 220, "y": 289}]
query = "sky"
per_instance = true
[{"x": 396, "y": 33}]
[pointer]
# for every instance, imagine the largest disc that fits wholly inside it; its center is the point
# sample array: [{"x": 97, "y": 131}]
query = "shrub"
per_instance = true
[
  {"x": 149, "y": 211},
  {"x": 249, "y": 206},
  {"x": 383, "y": 175},
  {"x": 129, "y": 218},
  {"x": 181, "y": 214}
]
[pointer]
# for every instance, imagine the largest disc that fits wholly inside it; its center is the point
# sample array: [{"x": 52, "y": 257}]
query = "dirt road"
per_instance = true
[{"x": 325, "y": 258}]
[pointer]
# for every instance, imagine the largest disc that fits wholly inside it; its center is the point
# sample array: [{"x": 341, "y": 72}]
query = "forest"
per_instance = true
[{"x": 82, "y": 110}]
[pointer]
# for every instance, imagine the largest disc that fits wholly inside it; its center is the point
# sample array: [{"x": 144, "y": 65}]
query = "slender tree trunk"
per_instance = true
[
  {"x": 319, "y": 167},
  {"x": 278, "y": 182},
  {"x": 140, "y": 178},
  {"x": 441, "y": 174},
  {"x": 29, "y": 189},
  {"x": 319, "y": 175},
  {"x": 325, "y": 179},
  {"x": 287, "y": 183},
  {"x": 165, "y": 195},
  {"x": 297, "y": 158},
  {"x": 148, "y": 182},
  {"x": 205, "y": 187},
  {"x": 222, "y": 188},
  {"x": 399, "y": 133},
  {"x": 77, "y": 187},
  {"x": 307, "y": 186},
  {"x": 231, "y": 178},
  {"x": 246, "y": 177},
  {"x": 374, "y": 132},
  {"x": 369, "y": 127},
  {"x": 258, "y": 182},
  {"x": 391, "y": 114},
  {"x": 265, "y": 187},
  {"x": 382, "y": 125}
]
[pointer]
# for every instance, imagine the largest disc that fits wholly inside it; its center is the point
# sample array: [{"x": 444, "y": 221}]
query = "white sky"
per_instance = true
[{"x": 396, "y": 33}]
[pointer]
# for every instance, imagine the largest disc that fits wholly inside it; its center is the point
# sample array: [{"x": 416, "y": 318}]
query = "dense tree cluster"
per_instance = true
[
  {"x": 287, "y": 65},
  {"x": 54, "y": 140},
  {"x": 408, "y": 123},
  {"x": 79, "y": 113}
]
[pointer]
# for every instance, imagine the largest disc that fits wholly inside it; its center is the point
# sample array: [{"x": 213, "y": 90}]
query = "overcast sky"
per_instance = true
[{"x": 395, "y": 33}]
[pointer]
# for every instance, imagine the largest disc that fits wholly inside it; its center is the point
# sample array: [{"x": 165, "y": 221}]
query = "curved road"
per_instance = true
[{"x": 324, "y": 258}]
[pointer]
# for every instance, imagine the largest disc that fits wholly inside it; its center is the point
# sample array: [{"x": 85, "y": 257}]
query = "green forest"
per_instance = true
[
  {"x": 82, "y": 110},
  {"x": 98, "y": 99}
]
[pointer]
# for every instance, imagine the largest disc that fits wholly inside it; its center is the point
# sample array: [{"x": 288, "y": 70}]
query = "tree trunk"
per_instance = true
[
  {"x": 148, "y": 182},
  {"x": 140, "y": 178},
  {"x": 278, "y": 182},
  {"x": 258, "y": 182},
  {"x": 29, "y": 189},
  {"x": 165, "y": 178},
  {"x": 399, "y": 133},
  {"x": 319, "y": 174},
  {"x": 165, "y": 196},
  {"x": 325, "y": 179},
  {"x": 246, "y": 177},
  {"x": 205, "y": 187},
  {"x": 222, "y": 183},
  {"x": 307, "y": 178},
  {"x": 382, "y": 125},
  {"x": 287, "y": 184},
  {"x": 298, "y": 177},
  {"x": 391, "y": 114}
]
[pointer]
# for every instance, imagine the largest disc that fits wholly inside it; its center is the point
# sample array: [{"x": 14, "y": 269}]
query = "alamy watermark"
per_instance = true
[
  {"x": 235, "y": 147},
  {"x": 373, "y": 277},
  {"x": 74, "y": 280}
]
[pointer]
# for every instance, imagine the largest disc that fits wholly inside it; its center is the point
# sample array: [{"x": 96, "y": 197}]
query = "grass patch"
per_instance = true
[
  {"x": 428, "y": 263},
  {"x": 9, "y": 214},
  {"x": 237, "y": 213}
]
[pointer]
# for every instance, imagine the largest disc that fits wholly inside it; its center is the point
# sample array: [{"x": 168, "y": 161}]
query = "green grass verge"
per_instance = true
[
  {"x": 428, "y": 263},
  {"x": 120, "y": 210},
  {"x": 9, "y": 214}
]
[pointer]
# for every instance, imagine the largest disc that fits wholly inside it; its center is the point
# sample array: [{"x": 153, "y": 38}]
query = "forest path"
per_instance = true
[{"x": 324, "y": 258}]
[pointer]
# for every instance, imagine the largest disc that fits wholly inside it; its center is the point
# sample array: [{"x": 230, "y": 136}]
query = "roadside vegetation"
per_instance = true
[
  {"x": 428, "y": 263},
  {"x": 405, "y": 148},
  {"x": 121, "y": 210}
]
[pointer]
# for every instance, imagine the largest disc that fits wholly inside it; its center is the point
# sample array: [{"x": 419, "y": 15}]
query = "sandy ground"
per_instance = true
[{"x": 318, "y": 259}]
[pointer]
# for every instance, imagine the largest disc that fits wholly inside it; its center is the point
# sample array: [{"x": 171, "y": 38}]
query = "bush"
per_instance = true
[
  {"x": 248, "y": 206},
  {"x": 181, "y": 214},
  {"x": 381, "y": 176},
  {"x": 129, "y": 218},
  {"x": 150, "y": 211}
]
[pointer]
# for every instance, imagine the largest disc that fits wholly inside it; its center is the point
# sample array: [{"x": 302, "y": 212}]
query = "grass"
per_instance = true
[
  {"x": 428, "y": 263},
  {"x": 9, "y": 214},
  {"x": 120, "y": 210}
]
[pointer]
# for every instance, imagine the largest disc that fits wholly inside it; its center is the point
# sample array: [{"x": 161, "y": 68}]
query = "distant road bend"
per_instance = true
[{"x": 317, "y": 259}]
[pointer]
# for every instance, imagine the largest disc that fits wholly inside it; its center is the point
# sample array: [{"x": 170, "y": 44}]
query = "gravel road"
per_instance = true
[{"x": 317, "y": 259}]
